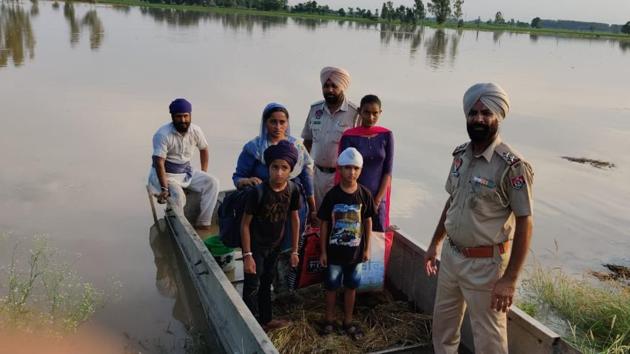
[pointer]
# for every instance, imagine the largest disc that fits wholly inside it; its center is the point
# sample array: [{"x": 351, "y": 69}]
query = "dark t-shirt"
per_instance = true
[
  {"x": 345, "y": 214},
  {"x": 270, "y": 215}
]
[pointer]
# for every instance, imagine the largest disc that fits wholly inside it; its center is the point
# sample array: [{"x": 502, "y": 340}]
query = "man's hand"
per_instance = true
[
  {"x": 323, "y": 260},
  {"x": 162, "y": 197},
  {"x": 253, "y": 181},
  {"x": 366, "y": 255},
  {"x": 249, "y": 266},
  {"x": 503, "y": 294},
  {"x": 295, "y": 260},
  {"x": 430, "y": 261}
]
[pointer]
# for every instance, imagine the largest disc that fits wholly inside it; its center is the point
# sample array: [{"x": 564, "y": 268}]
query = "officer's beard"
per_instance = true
[
  {"x": 332, "y": 99},
  {"x": 482, "y": 133}
]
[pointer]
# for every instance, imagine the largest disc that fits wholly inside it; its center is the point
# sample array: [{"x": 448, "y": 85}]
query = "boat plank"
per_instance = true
[{"x": 225, "y": 310}]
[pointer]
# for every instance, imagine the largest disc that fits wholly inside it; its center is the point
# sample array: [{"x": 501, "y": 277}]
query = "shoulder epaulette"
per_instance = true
[
  {"x": 354, "y": 106},
  {"x": 510, "y": 158},
  {"x": 317, "y": 103},
  {"x": 458, "y": 150}
]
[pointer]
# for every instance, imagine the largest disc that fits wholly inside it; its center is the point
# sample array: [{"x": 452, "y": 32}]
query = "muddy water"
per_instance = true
[{"x": 84, "y": 87}]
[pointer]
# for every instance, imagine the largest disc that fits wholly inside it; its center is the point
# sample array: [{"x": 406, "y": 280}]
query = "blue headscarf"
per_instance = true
[{"x": 259, "y": 144}]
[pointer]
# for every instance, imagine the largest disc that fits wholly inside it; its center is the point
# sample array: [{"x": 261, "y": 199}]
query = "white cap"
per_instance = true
[{"x": 350, "y": 157}]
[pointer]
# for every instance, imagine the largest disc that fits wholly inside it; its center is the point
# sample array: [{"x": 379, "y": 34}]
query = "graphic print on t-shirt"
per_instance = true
[{"x": 346, "y": 230}]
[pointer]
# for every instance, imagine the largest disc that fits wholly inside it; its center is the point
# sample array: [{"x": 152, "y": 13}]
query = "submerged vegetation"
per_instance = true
[
  {"x": 596, "y": 315},
  {"x": 41, "y": 294},
  {"x": 595, "y": 163}
]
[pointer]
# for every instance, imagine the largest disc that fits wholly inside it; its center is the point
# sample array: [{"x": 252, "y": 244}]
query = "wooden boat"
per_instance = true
[{"x": 238, "y": 331}]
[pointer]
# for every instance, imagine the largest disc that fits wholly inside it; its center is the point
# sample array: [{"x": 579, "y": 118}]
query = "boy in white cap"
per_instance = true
[{"x": 346, "y": 214}]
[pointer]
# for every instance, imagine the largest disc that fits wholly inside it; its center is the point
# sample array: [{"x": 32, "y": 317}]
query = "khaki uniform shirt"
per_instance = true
[
  {"x": 487, "y": 192},
  {"x": 325, "y": 129}
]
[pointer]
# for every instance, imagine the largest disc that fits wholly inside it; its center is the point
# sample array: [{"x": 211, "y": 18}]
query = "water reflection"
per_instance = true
[
  {"x": 17, "y": 39},
  {"x": 90, "y": 20},
  {"x": 402, "y": 33},
  {"x": 171, "y": 281},
  {"x": 95, "y": 26},
  {"x": 75, "y": 29},
  {"x": 34, "y": 8},
  {"x": 455, "y": 38},
  {"x": 436, "y": 49},
  {"x": 178, "y": 18},
  {"x": 496, "y": 36},
  {"x": 122, "y": 8}
]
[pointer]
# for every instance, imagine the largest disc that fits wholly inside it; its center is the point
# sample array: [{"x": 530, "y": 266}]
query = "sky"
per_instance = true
[{"x": 607, "y": 11}]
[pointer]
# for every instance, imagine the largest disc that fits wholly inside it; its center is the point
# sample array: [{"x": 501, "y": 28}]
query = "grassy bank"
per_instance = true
[
  {"x": 597, "y": 315},
  {"x": 428, "y": 23}
]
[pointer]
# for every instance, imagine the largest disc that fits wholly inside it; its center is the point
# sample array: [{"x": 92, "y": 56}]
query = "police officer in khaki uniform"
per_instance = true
[
  {"x": 326, "y": 122},
  {"x": 487, "y": 223}
]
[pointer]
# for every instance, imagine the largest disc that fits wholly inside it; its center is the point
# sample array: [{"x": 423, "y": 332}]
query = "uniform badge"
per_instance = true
[
  {"x": 318, "y": 113},
  {"x": 457, "y": 163},
  {"x": 517, "y": 182},
  {"x": 484, "y": 182},
  {"x": 510, "y": 158}
]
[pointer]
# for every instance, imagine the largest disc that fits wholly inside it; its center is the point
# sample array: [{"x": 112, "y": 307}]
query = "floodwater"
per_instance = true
[{"x": 83, "y": 88}]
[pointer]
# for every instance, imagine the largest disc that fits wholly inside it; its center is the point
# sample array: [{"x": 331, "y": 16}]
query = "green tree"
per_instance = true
[
  {"x": 418, "y": 9},
  {"x": 441, "y": 9},
  {"x": 626, "y": 28},
  {"x": 457, "y": 9},
  {"x": 384, "y": 12},
  {"x": 341, "y": 12},
  {"x": 536, "y": 22},
  {"x": 498, "y": 18}
]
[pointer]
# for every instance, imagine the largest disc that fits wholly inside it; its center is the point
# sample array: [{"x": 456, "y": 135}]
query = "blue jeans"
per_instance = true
[{"x": 351, "y": 275}]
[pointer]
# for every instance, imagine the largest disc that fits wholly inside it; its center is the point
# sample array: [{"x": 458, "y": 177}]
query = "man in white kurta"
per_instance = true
[{"x": 174, "y": 145}]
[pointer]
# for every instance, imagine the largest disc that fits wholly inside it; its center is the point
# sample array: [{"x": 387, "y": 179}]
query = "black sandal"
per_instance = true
[
  {"x": 328, "y": 328},
  {"x": 353, "y": 331}
]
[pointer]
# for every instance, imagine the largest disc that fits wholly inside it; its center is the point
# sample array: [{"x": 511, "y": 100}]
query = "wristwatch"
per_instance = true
[{"x": 247, "y": 254}]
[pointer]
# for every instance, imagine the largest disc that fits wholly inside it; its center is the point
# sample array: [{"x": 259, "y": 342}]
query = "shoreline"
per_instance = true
[{"x": 548, "y": 32}]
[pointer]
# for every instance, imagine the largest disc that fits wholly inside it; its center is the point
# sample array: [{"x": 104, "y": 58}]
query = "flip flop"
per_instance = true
[
  {"x": 328, "y": 328},
  {"x": 353, "y": 331}
]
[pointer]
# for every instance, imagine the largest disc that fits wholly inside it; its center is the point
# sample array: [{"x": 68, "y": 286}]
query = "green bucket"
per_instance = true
[{"x": 222, "y": 254}]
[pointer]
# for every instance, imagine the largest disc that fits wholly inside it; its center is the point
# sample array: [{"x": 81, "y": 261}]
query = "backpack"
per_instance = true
[{"x": 231, "y": 212}]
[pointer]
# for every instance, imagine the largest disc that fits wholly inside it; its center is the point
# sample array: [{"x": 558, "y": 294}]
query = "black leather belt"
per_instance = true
[{"x": 326, "y": 169}]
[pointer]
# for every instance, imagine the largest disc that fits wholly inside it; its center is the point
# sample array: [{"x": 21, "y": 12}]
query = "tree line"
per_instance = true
[{"x": 441, "y": 10}]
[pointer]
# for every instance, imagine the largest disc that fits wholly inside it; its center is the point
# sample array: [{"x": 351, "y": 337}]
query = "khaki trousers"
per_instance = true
[
  {"x": 467, "y": 283},
  {"x": 322, "y": 183}
]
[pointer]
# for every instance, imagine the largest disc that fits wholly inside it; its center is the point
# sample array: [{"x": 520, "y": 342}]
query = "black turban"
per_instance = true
[{"x": 284, "y": 150}]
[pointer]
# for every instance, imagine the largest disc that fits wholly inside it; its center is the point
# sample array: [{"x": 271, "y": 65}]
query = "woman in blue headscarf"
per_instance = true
[{"x": 251, "y": 168}]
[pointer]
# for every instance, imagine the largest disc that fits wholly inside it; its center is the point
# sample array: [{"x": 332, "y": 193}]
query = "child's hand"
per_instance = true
[
  {"x": 249, "y": 266},
  {"x": 295, "y": 260},
  {"x": 312, "y": 219},
  {"x": 323, "y": 260},
  {"x": 366, "y": 255}
]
